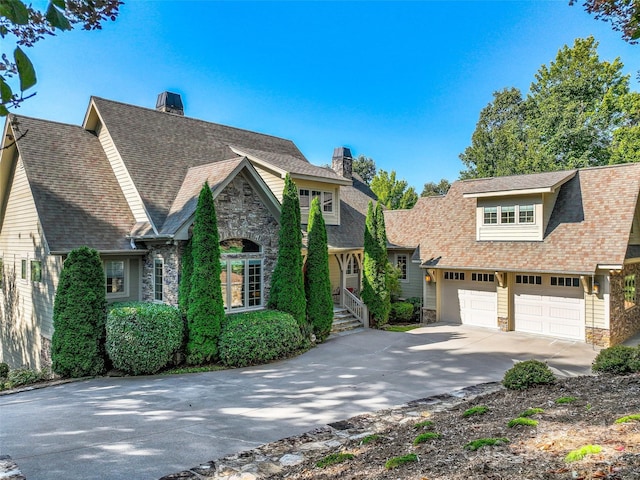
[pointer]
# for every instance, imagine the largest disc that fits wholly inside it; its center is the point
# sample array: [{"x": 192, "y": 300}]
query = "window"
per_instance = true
[
  {"x": 158, "y": 279},
  {"x": 629, "y": 291},
  {"x": 114, "y": 270},
  {"x": 325, "y": 199},
  {"x": 529, "y": 279},
  {"x": 401, "y": 263},
  {"x": 526, "y": 214},
  {"x": 353, "y": 268},
  {"x": 454, "y": 275},
  {"x": 508, "y": 214},
  {"x": 490, "y": 215},
  {"x": 36, "y": 271},
  {"x": 483, "y": 277},
  {"x": 241, "y": 274},
  {"x": 23, "y": 270},
  {"x": 565, "y": 281}
]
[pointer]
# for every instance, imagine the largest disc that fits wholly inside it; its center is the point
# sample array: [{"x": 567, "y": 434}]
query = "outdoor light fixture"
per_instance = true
[
  {"x": 427, "y": 278},
  {"x": 596, "y": 288}
]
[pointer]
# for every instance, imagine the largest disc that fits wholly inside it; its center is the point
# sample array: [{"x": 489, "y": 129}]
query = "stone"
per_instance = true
[{"x": 291, "y": 459}]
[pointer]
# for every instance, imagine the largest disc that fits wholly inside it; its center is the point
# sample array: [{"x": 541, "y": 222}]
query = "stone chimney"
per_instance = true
[
  {"x": 170, "y": 103},
  {"x": 341, "y": 161}
]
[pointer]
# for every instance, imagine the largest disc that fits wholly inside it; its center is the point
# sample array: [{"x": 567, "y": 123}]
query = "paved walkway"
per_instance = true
[{"x": 148, "y": 427}]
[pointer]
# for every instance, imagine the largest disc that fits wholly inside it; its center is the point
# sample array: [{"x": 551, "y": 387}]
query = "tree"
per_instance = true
[
  {"x": 375, "y": 292},
  {"x": 432, "y": 189},
  {"x": 624, "y": 15},
  {"x": 578, "y": 113},
  {"x": 29, "y": 25},
  {"x": 287, "y": 284},
  {"x": 392, "y": 193},
  {"x": 206, "y": 309},
  {"x": 186, "y": 271},
  {"x": 317, "y": 281},
  {"x": 79, "y": 316},
  {"x": 365, "y": 167}
]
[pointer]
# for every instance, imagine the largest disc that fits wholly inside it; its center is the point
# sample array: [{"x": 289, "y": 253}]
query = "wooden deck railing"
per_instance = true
[{"x": 356, "y": 306}]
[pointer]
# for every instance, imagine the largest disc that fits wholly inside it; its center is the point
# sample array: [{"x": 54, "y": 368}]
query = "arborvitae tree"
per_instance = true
[
  {"x": 317, "y": 281},
  {"x": 186, "y": 271},
  {"x": 79, "y": 316},
  {"x": 375, "y": 292},
  {"x": 206, "y": 309},
  {"x": 287, "y": 283}
]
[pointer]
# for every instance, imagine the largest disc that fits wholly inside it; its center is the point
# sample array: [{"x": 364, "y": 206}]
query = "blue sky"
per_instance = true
[{"x": 401, "y": 82}]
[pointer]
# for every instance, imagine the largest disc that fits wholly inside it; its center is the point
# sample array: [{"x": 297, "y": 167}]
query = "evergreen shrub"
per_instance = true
[
  {"x": 254, "y": 338},
  {"x": 528, "y": 374},
  {"x": 4, "y": 370},
  {"x": 401, "y": 312},
  {"x": 615, "y": 360},
  {"x": 142, "y": 338}
]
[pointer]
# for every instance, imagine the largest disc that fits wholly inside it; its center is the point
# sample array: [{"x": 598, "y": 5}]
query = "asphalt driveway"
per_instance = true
[{"x": 148, "y": 427}]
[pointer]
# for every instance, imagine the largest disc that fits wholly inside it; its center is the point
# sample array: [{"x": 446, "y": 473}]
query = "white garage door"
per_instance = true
[
  {"x": 553, "y": 311},
  {"x": 470, "y": 303}
]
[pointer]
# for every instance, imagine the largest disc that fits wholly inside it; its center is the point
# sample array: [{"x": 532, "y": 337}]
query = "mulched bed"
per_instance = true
[{"x": 531, "y": 453}]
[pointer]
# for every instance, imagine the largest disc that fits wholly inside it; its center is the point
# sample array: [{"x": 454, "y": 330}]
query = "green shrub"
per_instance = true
[
  {"x": 477, "y": 410},
  {"x": 417, "y": 305},
  {"x": 423, "y": 425},
  {"x": 424, "y": 437},
  {"x": 20, "y": 377},
  {"x": 527, "y": 374},
  {"x": 582, "y": 452},
  {"x": 334, "y": 458},
  {"x": 4, "y": 370},
  {"x": 531, "y": 411},
  {"x": 528, "y": 422},
  {"x": 397, "y": 461},
  {"x": 254, "y": 338},
  {"x": 401, "y": 312},
  {"x": 143, "y": 338},
  {"x": 614, "y": 360},
  {"x": 634, "y": 360},
  {"x": 79, "y": 316}
]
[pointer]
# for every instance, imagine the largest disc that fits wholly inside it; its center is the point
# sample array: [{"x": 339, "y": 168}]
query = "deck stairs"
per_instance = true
[{"x": 344, "y": 322}]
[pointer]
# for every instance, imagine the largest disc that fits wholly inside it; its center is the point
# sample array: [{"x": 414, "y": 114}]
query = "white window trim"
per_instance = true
[
  {"x": 30, "y": 272},
  {"x": 406, "y": 266},
  {"x": 516, "y": 221},
  {"x": 24, "y": 272},
  {"x": 322, "y": 200},
  {"x": 127, "y": 278},
  {"x": 226, "y": 259},
  {"x": 155, "y": 261}
]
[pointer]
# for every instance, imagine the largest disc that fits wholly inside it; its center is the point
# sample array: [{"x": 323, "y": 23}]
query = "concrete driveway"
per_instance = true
[{"x": 148, "y": 427}]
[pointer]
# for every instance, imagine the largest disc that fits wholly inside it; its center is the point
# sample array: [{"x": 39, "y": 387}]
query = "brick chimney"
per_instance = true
[
  {"x": 170, "y": 103},
  {"x": 341, "y": 161}
]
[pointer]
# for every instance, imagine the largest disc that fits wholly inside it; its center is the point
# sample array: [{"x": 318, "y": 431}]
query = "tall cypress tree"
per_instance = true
[
  {"x": 317, "y": 281},
  {"x": 79, "y": 316},
  {"x": 375, "y": 292},
  {"x": 186, "y": 271},
  {"x": 287, "y": 283},
  {"x": 206, "y": 310}
]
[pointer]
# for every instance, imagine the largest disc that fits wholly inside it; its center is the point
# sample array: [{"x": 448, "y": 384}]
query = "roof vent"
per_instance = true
[
  {"x": 170, "y": 103},
  {"x": 341, "y": 162}
]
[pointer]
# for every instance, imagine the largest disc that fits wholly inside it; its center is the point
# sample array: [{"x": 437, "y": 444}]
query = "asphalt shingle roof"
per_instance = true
[
  {"x": 75, "y": 191},
  {"x": 518, "y": 182}
]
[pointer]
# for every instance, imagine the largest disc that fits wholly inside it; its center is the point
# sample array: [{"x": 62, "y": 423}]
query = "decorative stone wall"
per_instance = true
[
  {"x": 428, "y": 315},
  {"x": 624, "y": 322},
  {"x": 503, "y": 323},
  {"x": 598, "y": 336},
  {"x": 170, "y": 255},
  {"x": 45, "y": 354}
]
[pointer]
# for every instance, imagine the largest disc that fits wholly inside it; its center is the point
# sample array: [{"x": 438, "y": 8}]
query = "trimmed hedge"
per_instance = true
[
  {"x": 528, "y": 374},
  {"x": 618, "y": 360},
  {"x": 254, "y": 338},
  {"x": 401, "y": 312},
  {"x": 142, "y": 338}
]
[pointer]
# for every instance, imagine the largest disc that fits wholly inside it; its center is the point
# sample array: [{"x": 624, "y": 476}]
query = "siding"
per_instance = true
[
  {"x": 273, "y": 181},
  {"x": 332, "y": 218},
  {"x": 412, "y": 286},
  {"x": 549, "y": 200},
  {"x": 27, "y": 306},
  {"x": 334, "y": 272},
  {"x": 122, "y": 175},
  {"x": 595, "y": 305},
  {"x": 634, "y": 238},
  {"x": 430, "y": 295},
  {"x": 515, "y": 231},
  {"x": 503, "y": 301}
]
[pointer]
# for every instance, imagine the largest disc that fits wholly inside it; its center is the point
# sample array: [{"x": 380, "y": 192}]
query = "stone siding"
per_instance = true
[
  {"x": 428, "y": 315},
  {"x": 624, "y": 322},
  {"x": 45, "y": 353},
  {"x": 503, "y": 323},
  {"x": 170, "y": 255},
  {"x": 598, "y": 336}
]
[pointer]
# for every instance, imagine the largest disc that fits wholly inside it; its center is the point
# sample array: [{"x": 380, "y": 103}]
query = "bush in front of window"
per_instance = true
[
  {"x": 143, "y": 338},
  {"x": 79, "y": 315},
  {"x": 401, "y": 312},
  {"x": 254, "y": 338},
  {"x": 417, "y": 306}
]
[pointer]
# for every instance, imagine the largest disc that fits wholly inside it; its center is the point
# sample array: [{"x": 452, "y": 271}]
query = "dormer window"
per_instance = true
[
  {"x": 325, "y": 198},
  {"x": 526, "y": 214},
  {"x": 508, "y": 214},
  {"x": 490, "y": 215}
]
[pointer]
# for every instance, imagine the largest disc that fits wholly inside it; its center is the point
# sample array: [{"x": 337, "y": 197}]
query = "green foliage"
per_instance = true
[
  {"x": 198, "y": 369},
  {"x": 629, "y": 418},
  {"x": 4, "y": 370},
  {"x": 425, "y": 437},
  {"x": 582, "y": 452},
  {"x": 579, "y": 112},
  {"x": 393, "y": 281},
  {"x": 21, "y": 377},
  {"x": 565, "y": 400},
  {"x": 400, "y": 328},
  {"x": 334, "y": 458},
  {"x": 485, "y": 442},
  {"x": 614, "y": 360},
  {"x": 365, "y": 167},
  {"x": 79, "y": 316},
  {"x": 426, "y": 424},
  {"x": 254, "y": 338},
  {"x": 317, "y": 280},
  {"x": 432, "y": 189},
  {"x": 401, "y": 312},
  {"x": 477, "y": 410},
  {"x": 527, "y": 374},
  {"x": 370, "y": 439},
  {"x": 375, "y": 292},
  {"x": 398, "y": 461},
  {"x": 206, "y": 309},
  {"x": 29, "y": 25},
  {"x": 623, "y": 15},
  {"x": 287, "y": 283},
  {"x": 186, "y": 272},
  {"x": 143, "y": 338},
  {"x": 392, "y": 193},
  {"x": 634, "y": 360},
  {"x": 529, "y": 412},
  {"x": 529, "y": 422}
]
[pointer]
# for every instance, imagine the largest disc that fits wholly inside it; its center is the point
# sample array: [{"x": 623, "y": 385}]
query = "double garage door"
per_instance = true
[{"x": 541, "y": 309}]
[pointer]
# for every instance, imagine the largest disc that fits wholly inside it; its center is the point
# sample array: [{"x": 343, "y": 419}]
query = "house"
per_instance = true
[
  {"x": 554, "y": 253},
  {"x": 126, "y": 183}
]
